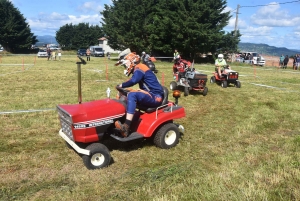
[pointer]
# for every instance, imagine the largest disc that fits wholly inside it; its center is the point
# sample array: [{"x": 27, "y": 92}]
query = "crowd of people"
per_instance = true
[
  {"x": 284, "y": 60},
  {"x": 53, "y": 53}
]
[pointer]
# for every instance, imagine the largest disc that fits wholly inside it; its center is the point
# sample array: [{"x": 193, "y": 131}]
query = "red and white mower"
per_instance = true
[{"x": 85, "y": 125}]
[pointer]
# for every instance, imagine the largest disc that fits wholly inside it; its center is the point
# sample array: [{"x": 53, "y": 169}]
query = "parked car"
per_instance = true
[
  {"x": 42, "y": 53},
  {"x": 81, "y": 52}
]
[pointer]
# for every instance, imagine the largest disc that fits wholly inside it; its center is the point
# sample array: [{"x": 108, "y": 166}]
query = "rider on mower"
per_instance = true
[
  {"x": 150, "y": 93},
  {"x": 219, "y": 63},
  {"x": 145, "y": 57}
]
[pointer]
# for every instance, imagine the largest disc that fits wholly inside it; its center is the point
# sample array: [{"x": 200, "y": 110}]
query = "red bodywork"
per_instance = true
[
  {"x": 88, "y": 121},
  {"x": 150, "y": 121},
  {"x": 233, "y": 76},
  {"x": 181, "y": 65}
]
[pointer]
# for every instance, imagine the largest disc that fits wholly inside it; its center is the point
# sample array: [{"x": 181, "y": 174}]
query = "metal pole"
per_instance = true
[
  {"x": 236, "y": 19},
  {"x": 79, "y": 82}
]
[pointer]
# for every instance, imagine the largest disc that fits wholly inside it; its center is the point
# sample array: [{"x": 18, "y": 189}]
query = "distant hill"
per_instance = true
[
  {"x": 46, "y": 39},
  {"x": 266, "y": 49}
]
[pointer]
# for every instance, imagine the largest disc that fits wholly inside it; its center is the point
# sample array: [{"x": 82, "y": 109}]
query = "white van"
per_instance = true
[
  {"x": 256, "y": 58},
  {"x": 97, "y": 51}
]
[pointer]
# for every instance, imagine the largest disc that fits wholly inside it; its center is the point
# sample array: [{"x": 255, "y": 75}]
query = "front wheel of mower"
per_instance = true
[
  {"x": 212, "y": 79},
  {"x": 186, "y": 91},
  {"x": 173, "y": 85},
  {"x": 99, "y": 156},
  {"x": 204, "y": 93},
  {"x": 167, "y": 136},
  {"x": 224, "y": 84},
  {"x": 238, "y": 84}
]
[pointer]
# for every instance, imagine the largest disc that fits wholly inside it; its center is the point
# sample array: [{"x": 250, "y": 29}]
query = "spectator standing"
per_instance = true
[
  {"x": 49, "y": 53},
  {"x": 176, "y": 56},
  {"x": 281, "y": 59},
  {"x": 251, "y": 58},
  {"x": 88, "y": 54},
  {"x": 53, "y": 55},
  {"x": 59, "y": 54},
  {"x": 294, "y": 62},
  {"x": 108, "y": 55},
  {"x": 297, "y": 61},
  {"x": 285, "y": 61}
]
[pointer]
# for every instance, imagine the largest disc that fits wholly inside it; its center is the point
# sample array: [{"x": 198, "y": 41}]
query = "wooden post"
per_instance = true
[{"x": 106, "y": 73}]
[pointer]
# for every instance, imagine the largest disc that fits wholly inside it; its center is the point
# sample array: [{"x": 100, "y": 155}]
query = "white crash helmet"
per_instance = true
[
  {"x": 129, "y": 61},
  {"x": 143, "y": 53},
  {"x": 220, "y": 57}
]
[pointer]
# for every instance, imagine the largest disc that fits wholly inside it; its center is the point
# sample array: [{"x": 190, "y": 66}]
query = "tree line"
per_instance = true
[{"x": 154, "y": 26}]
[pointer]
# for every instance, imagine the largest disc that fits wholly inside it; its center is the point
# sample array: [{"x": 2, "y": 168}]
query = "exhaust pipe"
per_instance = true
[{"x": 82, "y": 61}]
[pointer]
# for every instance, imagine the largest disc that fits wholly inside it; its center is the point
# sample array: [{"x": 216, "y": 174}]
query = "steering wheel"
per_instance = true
[{"x": 123, "y": 91}]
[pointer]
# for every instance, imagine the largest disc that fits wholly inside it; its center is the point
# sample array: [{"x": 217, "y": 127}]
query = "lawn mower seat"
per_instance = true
[{"x": 164, "y": 102}]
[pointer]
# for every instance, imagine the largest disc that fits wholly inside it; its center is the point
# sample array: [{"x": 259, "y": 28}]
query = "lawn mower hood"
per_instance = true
[{"x": 86, "y": 117}]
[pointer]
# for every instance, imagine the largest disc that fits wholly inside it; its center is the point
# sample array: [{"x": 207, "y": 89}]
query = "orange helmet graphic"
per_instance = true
[{"x": 129, "y": 61}]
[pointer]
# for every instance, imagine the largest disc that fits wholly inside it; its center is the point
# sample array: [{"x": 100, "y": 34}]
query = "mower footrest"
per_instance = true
[{"x": 132, "y": 136}]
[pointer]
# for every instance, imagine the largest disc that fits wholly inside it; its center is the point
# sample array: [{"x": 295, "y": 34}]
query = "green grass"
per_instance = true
[{"x": 239, "y": 143}]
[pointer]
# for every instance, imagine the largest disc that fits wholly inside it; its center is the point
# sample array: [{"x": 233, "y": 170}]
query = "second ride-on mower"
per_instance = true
[
  {"x": 187, "y": 77},
  {"x": 85, "y": 126},
  {"x": 227, "y": 77}
]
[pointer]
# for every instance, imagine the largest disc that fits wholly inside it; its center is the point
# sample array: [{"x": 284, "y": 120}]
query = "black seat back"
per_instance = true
[{"x": 164, "y": 102}]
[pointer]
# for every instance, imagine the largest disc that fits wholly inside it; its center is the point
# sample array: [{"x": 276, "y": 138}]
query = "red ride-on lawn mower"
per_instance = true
[
  {"x": 227, "y": 77},
  {"x": 187, "y": 77},
  {"x": 84, "y": 126}
]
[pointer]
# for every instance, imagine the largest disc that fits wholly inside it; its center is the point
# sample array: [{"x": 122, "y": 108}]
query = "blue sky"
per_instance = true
[{"x": 276, "y": 23}]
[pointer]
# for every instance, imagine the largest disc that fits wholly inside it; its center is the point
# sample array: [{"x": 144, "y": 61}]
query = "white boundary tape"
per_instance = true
[
  {"x": 25, "y": 111},
  {"x": 16, "y": 64},
  {"x": 272, "y": 87}
]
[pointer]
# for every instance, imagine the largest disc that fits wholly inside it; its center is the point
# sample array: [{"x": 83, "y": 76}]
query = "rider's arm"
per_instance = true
[{"x": 136, "y": 78}]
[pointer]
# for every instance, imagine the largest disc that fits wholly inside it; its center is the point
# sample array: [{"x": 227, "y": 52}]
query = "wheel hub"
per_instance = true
[
  {"x": 170, "y": 137},
  {"x": 97, "y": 159}
]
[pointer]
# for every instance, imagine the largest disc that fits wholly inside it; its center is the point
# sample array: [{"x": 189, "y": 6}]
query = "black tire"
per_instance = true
[
  {"x": 186, "y": 91},
  {"x": 212, "y": 79},
  {"x": 224, "y": 84},
  {"x": 99, "y": 156},
  {"x": 204, "y": 93},
  {"x": 173, "y": 85},
  {"x": 167, "y": 136},
  {"x": 238, "y": 84}
]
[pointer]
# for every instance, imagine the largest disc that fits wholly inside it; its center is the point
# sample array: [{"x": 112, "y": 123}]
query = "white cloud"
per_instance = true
[
  {"x": 274, "y": 16},
  {"x": 90, "y": 6},
  {"x": 50, "y": 24}
]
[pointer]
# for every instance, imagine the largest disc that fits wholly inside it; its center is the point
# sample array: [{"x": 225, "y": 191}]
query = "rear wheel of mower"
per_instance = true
[
  {"x": 99, "y": 156},
  {"x": 173, "y": 85},
  {"x": 212, "y": 79},
  {"x": 238, "y": 84},
  {"x": 167, "y": 136},
  {"x": 204, "y": 93},
  {"x": 186, "y": 91},
  {"x": 224, "y": 84}
]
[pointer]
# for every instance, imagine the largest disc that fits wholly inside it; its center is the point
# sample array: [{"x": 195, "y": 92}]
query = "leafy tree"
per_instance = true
[
  {"x": 160, "y": 26},
  {"x": 82, "y": 35},
  {"x": 229, "y": 44},
  {"x": 15, "y": 33}
]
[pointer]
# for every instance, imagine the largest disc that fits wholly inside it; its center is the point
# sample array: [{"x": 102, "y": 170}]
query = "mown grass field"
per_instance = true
[{"x": 239, "y": 143}]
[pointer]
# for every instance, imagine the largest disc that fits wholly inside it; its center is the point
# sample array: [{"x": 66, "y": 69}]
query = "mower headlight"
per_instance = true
[{"x": 176, "y": 93}]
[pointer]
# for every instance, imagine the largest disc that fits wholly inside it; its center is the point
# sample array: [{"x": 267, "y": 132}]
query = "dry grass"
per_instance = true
[{"x": 239, "y": 144}]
